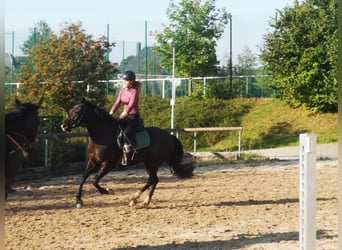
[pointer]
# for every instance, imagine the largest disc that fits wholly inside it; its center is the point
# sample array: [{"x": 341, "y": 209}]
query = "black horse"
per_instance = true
[
  {"x": 104, "y": 153},
  {"x": 21, "y": 125}
]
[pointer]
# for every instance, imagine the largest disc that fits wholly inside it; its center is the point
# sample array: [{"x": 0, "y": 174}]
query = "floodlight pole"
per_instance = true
[{"x": 231, "y": 56}]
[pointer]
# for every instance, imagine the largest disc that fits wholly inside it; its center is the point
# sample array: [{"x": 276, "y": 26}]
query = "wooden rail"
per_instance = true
[{"x": 207, "y": 129}]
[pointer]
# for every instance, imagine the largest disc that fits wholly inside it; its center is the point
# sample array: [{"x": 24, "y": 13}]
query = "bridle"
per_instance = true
[
  {"x": 78, "y": 119},
  {"x": 24, "y": 146}
]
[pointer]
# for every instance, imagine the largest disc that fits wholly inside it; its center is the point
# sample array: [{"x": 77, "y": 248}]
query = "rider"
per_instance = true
[{"x": 129, "y": 118}]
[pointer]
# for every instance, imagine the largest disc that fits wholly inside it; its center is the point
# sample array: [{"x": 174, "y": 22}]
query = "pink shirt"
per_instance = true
[{"x": 129, "y": 97}]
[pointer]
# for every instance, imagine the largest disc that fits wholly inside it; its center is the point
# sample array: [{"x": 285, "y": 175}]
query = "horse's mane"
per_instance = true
[{"x": 103, "y": 114}]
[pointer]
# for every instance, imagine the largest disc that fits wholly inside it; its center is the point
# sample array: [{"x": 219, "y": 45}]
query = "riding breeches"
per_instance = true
[{"x": 130, "y": 127}]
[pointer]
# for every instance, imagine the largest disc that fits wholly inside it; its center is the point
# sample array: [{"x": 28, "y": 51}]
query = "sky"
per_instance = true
[{"x": 127, "y": 20}]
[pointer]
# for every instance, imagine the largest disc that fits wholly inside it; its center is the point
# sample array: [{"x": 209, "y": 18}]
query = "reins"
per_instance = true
[{"x": 16, "y": 142}]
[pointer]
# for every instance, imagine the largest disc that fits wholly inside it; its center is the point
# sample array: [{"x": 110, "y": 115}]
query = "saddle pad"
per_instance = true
[{"x": 142, "y": 139}]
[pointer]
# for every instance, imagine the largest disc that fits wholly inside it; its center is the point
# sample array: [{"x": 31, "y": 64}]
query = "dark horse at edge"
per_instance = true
[
  {"x": 104, "y": 154},
  {"x": 21, "y": 126}
]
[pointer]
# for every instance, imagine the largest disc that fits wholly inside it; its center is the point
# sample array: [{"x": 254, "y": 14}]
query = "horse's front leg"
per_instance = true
[
  {"x": 90, "y": 168},
  {"x": 8, "y": 189},
  {"x": 101, "y": 173}
]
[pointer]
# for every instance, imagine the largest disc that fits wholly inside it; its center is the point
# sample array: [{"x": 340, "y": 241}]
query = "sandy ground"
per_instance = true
[{"x": 221, "y": 207}]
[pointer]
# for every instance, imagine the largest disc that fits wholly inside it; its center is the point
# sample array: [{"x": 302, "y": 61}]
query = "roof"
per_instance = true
[{"x": 10, "y": 60}]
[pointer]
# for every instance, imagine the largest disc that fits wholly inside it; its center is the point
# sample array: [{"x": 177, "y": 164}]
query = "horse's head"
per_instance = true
[
  {"x": 84, "y": 113},
  {"x": 26, "y": 112},
  {"x": 75, "y": 116},
  {"x": 22, "y": 124},
  {"x": 28, "y": 107}
]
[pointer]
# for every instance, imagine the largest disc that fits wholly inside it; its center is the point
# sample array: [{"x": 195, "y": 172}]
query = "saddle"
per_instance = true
[{"x": 142, "y": 137}]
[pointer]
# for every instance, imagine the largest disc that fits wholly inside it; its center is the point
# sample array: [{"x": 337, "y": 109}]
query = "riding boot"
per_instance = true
[{"x": 127, "y": 148}]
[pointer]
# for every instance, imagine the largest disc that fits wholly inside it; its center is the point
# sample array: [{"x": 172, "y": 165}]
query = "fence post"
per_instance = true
[
  {"x": 163, "y": 89},
  {"x": 239, "y": 144},
  {"x": 195, "y": 142},
  {"x": 307, "y": 192},
  {"x": 46, "y": 153}
]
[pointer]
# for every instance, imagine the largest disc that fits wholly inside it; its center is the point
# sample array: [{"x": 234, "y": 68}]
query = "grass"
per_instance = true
[{"x": 271, "y": 123}]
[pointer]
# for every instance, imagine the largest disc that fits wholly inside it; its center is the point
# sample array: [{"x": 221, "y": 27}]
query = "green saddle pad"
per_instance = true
[{"x": 142, "y": 139}]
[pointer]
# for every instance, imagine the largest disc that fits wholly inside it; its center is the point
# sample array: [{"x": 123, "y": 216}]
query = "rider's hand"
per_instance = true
[{"x": 123, "y": 115}]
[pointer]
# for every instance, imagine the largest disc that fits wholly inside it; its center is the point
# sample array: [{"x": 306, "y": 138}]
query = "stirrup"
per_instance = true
[
  {"x": 127, "y": 148},
  {"x": 124, "y": 159}
]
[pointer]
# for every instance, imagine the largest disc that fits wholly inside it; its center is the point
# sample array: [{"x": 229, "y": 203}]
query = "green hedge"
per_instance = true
[{"x": 266, "y": 123}]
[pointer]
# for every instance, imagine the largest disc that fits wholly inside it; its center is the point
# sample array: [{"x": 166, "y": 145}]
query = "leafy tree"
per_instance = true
[
  {"x": 246, "y": 62},
  {"x": 301, "y": 53},
  {"x": 246, "y": 67},
  {"x": 194, "y": 28},
  {"x": 40, "y": 33},
  {"x": 66, "y": 67}
]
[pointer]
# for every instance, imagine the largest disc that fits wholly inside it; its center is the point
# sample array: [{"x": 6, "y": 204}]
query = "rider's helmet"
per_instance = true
[{"x": 128, "y": 76}]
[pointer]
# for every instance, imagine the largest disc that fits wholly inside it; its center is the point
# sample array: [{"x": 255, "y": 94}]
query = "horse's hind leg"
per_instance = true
[
  {"x": 90, "y": 168},
  {"x": 102, "y": 172},
  {"x": 152, "y": 182}
]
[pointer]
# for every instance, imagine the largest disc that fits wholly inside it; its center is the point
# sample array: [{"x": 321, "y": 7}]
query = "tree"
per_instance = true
[
  {"x": 40, "y": 33},
  {"x": 246, "y": 62},
  {"x": 246, "y": 67},
  {"x": 301, "y": 53},
  {"x": 194, "y": 28},
  {"x": 125, "y": 61},
  {"x": 66, "y": 67}
]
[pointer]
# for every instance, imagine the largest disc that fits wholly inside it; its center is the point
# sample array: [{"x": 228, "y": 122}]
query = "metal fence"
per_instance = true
[{"x": 242, "y": 86}]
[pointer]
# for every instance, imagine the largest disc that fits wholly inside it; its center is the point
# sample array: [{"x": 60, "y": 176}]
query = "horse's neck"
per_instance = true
[
  {"x": 100, "y": 130},
  {"x": 25, "y": 128}
]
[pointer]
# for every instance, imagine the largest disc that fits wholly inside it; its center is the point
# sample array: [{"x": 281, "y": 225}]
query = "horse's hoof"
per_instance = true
[
  {"x": 79, "y": 204},
  {"x": 104, "y": 191},
  {"x": 110, "y": 191},
  {"x": 133, "y": 202},
  {"x": 141, "y": 206}
]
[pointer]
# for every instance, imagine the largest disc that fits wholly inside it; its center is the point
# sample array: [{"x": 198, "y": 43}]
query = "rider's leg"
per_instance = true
[{"x": 129, "y": 138}]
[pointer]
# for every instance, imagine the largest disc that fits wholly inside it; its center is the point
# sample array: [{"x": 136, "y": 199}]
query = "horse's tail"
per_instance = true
[{"x": 175, "y": 160}]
